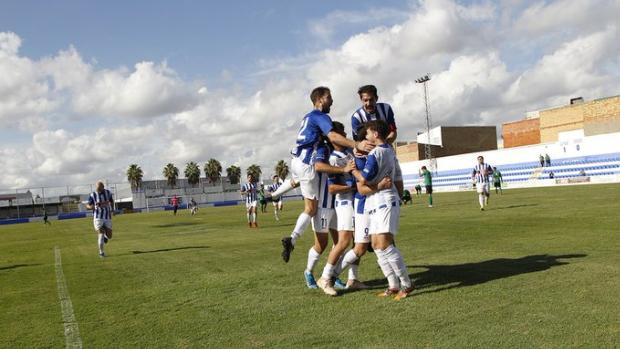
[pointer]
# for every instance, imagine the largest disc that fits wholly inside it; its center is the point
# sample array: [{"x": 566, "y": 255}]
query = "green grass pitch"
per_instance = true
[{"x": 539, "y": 269}]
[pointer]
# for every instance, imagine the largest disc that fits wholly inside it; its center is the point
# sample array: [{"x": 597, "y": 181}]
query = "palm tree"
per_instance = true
[
  {"x": 281, "y": 169},
  {"x": 134, "y": 176},
  {"x": 192, "y": 173},
  {"x": 233, "y": 173},
  {"x": 255, "y": 171},
  {"x": 213, "y": 170},
  {"x": 171, "y": 173}
]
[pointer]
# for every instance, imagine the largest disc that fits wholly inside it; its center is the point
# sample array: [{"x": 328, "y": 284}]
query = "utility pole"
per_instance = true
[{"x": 427, "y": 147}]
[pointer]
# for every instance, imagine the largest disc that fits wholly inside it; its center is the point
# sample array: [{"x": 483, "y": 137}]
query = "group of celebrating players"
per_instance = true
[{"x": 351, "y": 190}]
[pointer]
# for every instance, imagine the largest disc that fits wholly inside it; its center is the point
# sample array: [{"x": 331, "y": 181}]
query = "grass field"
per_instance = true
[{"x": 539, "y": 269}]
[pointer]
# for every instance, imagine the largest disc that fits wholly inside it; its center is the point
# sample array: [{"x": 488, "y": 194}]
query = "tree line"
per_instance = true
[{"x": 212, "y": 171}]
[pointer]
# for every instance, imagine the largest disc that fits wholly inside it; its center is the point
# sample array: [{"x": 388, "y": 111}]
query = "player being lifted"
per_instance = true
[
  {"x": 315, "y": 124},
  {"x": 480, "y": 175},
  {"x": 101, "y": 203},
  {"x": 383, "y": 210},
  {"x": 277, "y": 202},
  {"x": 250, "y": 191}
]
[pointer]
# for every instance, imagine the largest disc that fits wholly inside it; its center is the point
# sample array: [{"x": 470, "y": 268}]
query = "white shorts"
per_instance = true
[
  {"x": 99, "y": 222},
  {"x": 305, "y": 175},
  {"x": 361, "y": 229},
  {"x": 249, "y": 205},
  {"x": 324, "y": 220},
  {"x": 384, "y": 219},
  {"x": 482, "y": 188},
  {"x": 277, "y": 203},
  {"x": 344, "y": 216}
]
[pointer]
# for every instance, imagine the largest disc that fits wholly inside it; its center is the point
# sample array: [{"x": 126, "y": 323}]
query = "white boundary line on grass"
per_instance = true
[{"x": 72, "y": 332}]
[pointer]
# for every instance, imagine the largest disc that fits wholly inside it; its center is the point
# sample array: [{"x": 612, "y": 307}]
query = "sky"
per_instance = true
[{"x": 88, "y": 88}]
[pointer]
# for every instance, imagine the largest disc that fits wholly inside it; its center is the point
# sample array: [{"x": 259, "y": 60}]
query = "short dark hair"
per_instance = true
[
  {"x": 367, "y": 89},
  {"x": 338, "y": 127},
  {"x": 380, "y": 126},
  {"x": 317, "y": 93},
  {"x": 423, "y": 167},
  {"x": 361, "y": 133}
]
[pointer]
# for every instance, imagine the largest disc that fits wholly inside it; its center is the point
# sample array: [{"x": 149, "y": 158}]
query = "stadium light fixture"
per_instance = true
[{"x": 427, "y": 147}]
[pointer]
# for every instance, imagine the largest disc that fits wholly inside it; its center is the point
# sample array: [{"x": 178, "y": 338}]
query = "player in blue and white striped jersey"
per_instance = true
[
  {"x": 277, "y": 202},
  {"x": 315, "y": 126},
  {"x": 101, "y": 203},
  {"x": 372, "y": 110},
  {"x": 249, "y": 191},
  {"x": 480, "y": 175},
  {"x": 383, "y": 208}
]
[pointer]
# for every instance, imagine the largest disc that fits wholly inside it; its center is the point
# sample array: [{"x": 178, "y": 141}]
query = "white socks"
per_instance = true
[
  {"x": 328, "y": 271},
  {"x": 481, "y": 200},
  {"x": 313, "y": 259},
  {"x": 386, "y": 268},
  {"x": 395, "y": 258},
  {"x": 353, "y": 275},
  {"x": 284, "y": 188},
  {"x": 347, "y": 260},
  {"x": 253, "y": 216},
  {"x": 101, "y": 243},
  {"x": 302, "y": 223},
  {"x": 249, "y": 217}
]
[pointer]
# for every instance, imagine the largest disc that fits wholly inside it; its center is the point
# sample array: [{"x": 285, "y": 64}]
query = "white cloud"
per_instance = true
[{"x": 150, "y": 116}]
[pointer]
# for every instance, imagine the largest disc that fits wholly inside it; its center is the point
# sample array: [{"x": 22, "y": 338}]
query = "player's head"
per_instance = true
[
  {"x": 494, "y": 168},
  {"x": 338, "y": 127},
  {"x": 377, "y": 130},
  {"x": 250, "y": 177},
  {"x": 368, "y": 97},
  {"x": 361, "y": 133},
  {"x": 99, "y": 186},
  {"x": 424, "y": 168},
  {"x": 480, "y": 159},
  {"x": 275, "y": 178},
  {"x": 321, "y": 98}
]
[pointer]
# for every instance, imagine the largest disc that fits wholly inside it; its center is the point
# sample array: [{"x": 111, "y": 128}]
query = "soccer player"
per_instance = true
[
  {"x": 383, "y": 209},
  {"x": 428, "y": 184},
  {"x": 407, "y": 197},
  {"x": 250, "y": 192},
  {"x": 101, "y": 203},
  {"x": 480, "y": 175},
  {"x": 314, "y": 125},
  {"x": 194, "y": 206},
  {"x": 342, "y": 186},
  {"x": 175, "y": 204},
  {"x": 261, "y": 199},
  {"x": 277, "y": 202},
  {"x": 497, "y": 180},
  {"x": 45, "y": 218},
  {"x": 372, "y": 110},
  {"x": 418, "y": 190}
]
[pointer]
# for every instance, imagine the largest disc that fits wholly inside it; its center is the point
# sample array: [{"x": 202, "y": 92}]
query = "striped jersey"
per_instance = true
[
  {"x": 340, "y": 159},
  {"x": 273, "y": 187},
  {"x": 381, "y": 163},
  {"x": 482, "y": 172},
  {"x": 325, "y": 199},
  {"x": 383, "y": 111},
  {"x": 251, "y": 192},
  {"x": 314, "y": 125},
  {"x": 103, "y": 204},
  {"x": 361, "y": 199}
]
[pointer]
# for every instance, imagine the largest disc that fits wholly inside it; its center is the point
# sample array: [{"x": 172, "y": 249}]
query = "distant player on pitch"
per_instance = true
[
  {"x": 101, "y": 203},
  {"x": 497, "y": 181},
  {"x": 480, "y": 175},
  {"x": 428, "y": 184},
  {"x": 250, "y": 191},
  {"x": 277, "y": 202}
]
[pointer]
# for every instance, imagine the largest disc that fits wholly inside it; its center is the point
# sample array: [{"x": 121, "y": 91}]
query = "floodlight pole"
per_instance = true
[{"x": 427, "y": 147}]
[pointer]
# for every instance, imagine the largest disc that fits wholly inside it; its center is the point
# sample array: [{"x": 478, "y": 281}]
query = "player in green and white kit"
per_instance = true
[
  {"x": 428, "y": 184},
  {"x": 497, "y": 180}
]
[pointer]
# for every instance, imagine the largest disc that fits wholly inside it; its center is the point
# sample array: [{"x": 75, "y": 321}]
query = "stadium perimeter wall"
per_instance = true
[{"x": 565, "y": 149}]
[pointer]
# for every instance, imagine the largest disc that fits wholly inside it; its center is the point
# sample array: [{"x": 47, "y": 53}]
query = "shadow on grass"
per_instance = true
[
  {"x": 512, "y": 206},
  {"x": 15, "y": 266},
  {"x": 438, "y": 278},
  {"x": 179, "y": 224},
  {"x": 171, "y": 249}
]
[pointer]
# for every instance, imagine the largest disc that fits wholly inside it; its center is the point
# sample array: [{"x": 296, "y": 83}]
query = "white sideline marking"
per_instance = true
[{"x": 72, "y": 332}]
